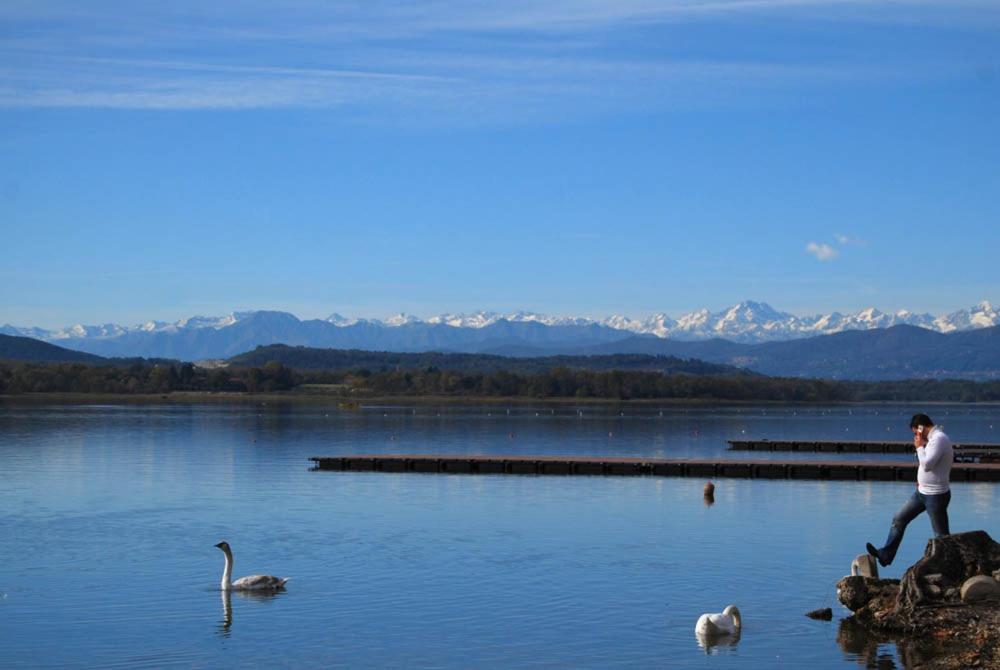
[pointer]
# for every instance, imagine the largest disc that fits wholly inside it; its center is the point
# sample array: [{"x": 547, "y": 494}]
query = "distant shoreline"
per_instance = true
[{"x": 321, "y": 399}]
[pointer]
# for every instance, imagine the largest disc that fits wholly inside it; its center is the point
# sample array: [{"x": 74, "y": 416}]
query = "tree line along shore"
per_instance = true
[{"x": 144, "y": 378}]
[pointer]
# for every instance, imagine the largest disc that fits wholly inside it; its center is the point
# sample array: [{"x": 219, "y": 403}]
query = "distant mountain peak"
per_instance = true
[
  {"x": 401, "y": 319},
  {"x": 340, "y": 320}
]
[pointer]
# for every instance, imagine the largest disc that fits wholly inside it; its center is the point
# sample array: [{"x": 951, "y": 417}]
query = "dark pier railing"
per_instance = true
[
  {"x": 591, "y": 465},
  {"x": 983, "y": 453}
]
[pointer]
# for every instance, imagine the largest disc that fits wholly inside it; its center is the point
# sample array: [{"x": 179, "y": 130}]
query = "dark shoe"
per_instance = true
[{"x": 874, "y": 552}]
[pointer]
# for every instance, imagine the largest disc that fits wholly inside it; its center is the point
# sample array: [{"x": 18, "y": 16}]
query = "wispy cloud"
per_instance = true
[
  {"x": 316, "y": 19},
  {"x": 476, "y": 86},
  {"x": 472, "y": 58},
  {"x": 163, "y": 84},
  {"x": 557, "y": 15},
  {"x": 259, "y": 70},
  {"x": 823, "y": 252},
  {"x": 848, "y": 240}
]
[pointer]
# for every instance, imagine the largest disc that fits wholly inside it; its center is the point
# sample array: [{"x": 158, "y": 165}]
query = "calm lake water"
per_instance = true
[{"x": 108, "y": 515}]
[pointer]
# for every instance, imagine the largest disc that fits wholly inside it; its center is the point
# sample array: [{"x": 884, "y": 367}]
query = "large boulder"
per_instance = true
[
  {"x": 925, "y": 612},
  {"x": 947, "y": 563}
]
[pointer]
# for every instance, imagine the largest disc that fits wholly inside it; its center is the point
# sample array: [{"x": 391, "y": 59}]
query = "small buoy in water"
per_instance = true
[{"x": 709, "y": 490}]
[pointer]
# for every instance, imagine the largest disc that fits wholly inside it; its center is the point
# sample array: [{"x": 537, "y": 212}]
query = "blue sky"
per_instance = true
[{"x": 582, "y": 157}]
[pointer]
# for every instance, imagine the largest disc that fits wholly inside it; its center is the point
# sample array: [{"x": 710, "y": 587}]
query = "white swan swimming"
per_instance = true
[
  {"x": 718, "y": 625},
  {"x": 251, "y": 583}
]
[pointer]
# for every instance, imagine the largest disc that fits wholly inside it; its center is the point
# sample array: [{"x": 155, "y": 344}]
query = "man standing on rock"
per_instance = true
[{"x": 934, "y": 451}]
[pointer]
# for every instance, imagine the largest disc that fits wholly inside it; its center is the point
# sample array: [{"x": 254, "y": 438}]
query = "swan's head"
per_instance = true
[
  {"x": 734, "y": 612},
  {"x": 224, "y": 546}
]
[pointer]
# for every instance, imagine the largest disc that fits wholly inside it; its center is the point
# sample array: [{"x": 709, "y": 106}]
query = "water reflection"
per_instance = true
[
  {"x": 859, "y": 644},
  {"x": 710, "y": 643},
  {"x": 881, "y": 652},
  {"x": 227, "y": 613},
  {"x": 226, "y": 624}
]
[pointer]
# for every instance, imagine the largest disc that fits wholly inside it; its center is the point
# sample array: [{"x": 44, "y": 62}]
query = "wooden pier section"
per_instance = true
[
  {"x": 984, "y": 453},
  {"x": 592, "y": 465}
]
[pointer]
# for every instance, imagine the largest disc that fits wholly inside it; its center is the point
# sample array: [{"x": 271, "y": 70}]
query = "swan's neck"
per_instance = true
[
  {"x": 227, "y": 573},
  {"x": 735, "y": 614}
]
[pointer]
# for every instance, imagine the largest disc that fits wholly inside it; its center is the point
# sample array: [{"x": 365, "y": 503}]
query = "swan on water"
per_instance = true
[
  {"x": 251, "y": 583},
  {"x": 726, "y": 623}
]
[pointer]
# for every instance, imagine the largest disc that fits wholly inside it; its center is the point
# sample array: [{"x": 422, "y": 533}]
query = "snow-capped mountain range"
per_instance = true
[{"x": 747, "y": 322}]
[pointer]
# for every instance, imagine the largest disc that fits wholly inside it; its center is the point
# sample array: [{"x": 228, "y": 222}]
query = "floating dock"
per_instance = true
[
  {"x": 984, "y": 453},
  {"x": 591, "y": 465}
]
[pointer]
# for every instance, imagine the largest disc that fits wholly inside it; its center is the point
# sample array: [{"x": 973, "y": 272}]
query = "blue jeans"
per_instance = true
[{"x": 937, "y": 509}]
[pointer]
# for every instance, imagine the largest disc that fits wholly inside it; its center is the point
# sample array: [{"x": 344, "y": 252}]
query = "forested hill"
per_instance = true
[
  {"x": 14, "y": 348},
  {"x": 308, "y": 358},
  {"x": 900, "y": 352}
]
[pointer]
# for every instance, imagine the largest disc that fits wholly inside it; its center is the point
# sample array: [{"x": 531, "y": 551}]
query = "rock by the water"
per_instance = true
[
  {"x": 856, "y": 592},
  {"x": 980, "y": 589},
  {"x": 926, "y": 612},
  {"x": 824, "y": 613},
  {"x": 865, "y": 566},
  {"x": 955, "y": 558}
]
